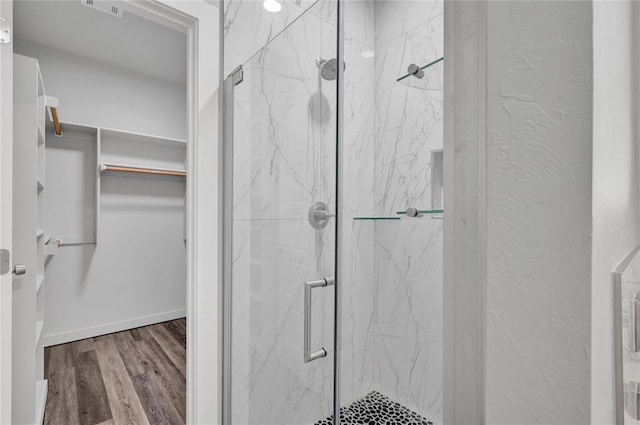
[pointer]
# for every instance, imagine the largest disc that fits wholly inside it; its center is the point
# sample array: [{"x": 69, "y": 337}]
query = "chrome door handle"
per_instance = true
[
  {"x": 308, "y": 286},
  {"x": 19, "y": 269}
]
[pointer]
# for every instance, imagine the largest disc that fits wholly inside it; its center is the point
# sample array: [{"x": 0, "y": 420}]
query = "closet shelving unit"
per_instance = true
[
  {"x": 30, "y": 241},
  {"x": 41, "y": 385},
  {"x": 120, "y": 153}
]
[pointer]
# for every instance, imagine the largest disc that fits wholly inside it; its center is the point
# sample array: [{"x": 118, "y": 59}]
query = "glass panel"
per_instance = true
[
  {"x": 284, "y": 154},
  {"x": 391, "y": 326}
]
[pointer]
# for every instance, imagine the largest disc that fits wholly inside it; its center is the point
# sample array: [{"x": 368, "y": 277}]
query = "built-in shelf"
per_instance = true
[
  {"x": 133, "y": 137},
  {"x": 29, "y": 127},
  {"x": 39, "y": 326},
  {"x": 39, "y": 282},
  {"x": 426, "y": 77},
  {"x": 41, "y": 400}
]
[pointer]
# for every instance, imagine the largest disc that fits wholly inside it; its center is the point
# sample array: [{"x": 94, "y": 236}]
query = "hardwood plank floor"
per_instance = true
[
  {"x": 93, "y": 404},
  {"x": 134, "y": 377}
]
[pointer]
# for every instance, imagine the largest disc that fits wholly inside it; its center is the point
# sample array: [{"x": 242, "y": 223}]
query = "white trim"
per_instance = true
[
  {"x": 6, "y": 212},
  {"x": 41, "y": 399},
  {"x": 465, "y": 231},
  {"x": 103, "y": 329}
]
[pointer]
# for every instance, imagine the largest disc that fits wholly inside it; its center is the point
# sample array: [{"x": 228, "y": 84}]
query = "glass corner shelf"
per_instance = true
[
  {"x": 431, "y": 213},
  {"x": 376, "y": 218},
  {"x": 423, "y": 212},
  {"x": 426, "y": 77}
]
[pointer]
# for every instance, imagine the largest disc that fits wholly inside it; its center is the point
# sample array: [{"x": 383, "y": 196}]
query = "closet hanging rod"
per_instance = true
[
  {"x": 141, "y": 170},
  {"x": 53, "y": 103}
]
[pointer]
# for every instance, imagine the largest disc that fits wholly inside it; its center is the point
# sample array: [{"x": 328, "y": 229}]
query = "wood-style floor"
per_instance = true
[{"x": 133, "y": 377}]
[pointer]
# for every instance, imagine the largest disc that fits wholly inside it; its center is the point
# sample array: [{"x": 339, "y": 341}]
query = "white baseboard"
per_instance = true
[
  {"x": 41, "y": 400},
  {"x": 75, "y": 335}
]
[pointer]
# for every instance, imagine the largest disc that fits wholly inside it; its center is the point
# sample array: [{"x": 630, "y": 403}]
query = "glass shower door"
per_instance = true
[{"x": 281, "y": 107}]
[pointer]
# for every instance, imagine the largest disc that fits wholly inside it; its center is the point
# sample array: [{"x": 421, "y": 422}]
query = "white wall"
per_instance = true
[
  {"x": 539, "y": 165},
  {"x": 615, "y": 180},
  {"x": 96, "y": 94},
  {"x": 135, "y": 275}
]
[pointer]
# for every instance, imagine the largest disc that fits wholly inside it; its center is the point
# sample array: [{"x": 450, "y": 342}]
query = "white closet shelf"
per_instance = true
[
  {"x": 41, "y": 400},
  {"x": 39, "y": 282},
  {"x": 39, "y": 327},
  {"x": 131, "y": 136}
]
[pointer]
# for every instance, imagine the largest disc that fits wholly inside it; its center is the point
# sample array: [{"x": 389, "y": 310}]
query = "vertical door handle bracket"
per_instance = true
[{"x": 308, "y": 287}]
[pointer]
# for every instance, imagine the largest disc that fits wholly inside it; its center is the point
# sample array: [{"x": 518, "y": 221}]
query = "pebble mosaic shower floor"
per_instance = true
[{"x": 376, "y": 409}]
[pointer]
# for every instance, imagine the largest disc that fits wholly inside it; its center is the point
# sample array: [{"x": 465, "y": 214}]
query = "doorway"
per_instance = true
[{"x": 102, "y": 182}]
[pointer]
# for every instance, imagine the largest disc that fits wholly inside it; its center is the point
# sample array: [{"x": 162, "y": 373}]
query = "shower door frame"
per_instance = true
[
  {"x": 465, "y": 220},
  {"x": 337, "y": 321},
  {"x": 465, "y": 232},
  {"x": 225, "y": 221}
]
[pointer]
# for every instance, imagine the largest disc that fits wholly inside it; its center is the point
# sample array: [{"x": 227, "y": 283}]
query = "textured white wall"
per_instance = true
[
  {"x": 539, "y": 159},
  {"x": 615, "y": 179}
]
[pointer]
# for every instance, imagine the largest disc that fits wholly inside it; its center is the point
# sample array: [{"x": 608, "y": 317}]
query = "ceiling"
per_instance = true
[{"x": 130, "y": 42}]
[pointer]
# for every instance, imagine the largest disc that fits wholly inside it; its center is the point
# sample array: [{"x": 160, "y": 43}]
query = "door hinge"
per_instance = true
[
  {"x": 237, "y": 76},
  {"x": 5, "y": 261},
  {"x": 5, "y": 30}
]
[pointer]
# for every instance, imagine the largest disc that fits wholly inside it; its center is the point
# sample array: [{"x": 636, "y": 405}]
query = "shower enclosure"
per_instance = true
[{"x": 333, "y": 144}]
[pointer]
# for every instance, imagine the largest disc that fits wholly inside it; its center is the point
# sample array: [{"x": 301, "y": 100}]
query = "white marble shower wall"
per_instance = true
[
  {"x": 409, "y": 252},
  {"x": 284, "y": 159}
]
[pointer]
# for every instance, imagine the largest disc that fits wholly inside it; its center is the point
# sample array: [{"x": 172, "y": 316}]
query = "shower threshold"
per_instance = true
[{"x": 376, "y": 409}]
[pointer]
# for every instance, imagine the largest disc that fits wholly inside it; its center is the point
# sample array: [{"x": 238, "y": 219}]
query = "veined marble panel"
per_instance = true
[
  {"x": 357, "y": 182},
  {"x": 408, "y": 315},
  {"x": 409, "y": 121},
  {"x": 396, "y": 18},
  {"x": 409, "y": 252},
  {"x": 248, "y": 27},
  {"x": 271, "y": 383},
  {"x": 284, "y": 141},
  {"x": 284, "y": 159}
]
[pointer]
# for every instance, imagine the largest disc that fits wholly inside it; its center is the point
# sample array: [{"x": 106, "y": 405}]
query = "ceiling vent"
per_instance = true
[{"x": 104, "y": 7}]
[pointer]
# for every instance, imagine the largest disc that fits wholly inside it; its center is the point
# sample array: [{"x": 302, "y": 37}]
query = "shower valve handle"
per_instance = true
[{"x": 319, "y": 215}]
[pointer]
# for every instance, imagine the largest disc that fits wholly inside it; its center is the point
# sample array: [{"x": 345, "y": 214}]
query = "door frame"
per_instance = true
[
  {"x": 6, "y": 213},
  {"x": 465, "y": 203},
  {"x": 199, "y": 21}
]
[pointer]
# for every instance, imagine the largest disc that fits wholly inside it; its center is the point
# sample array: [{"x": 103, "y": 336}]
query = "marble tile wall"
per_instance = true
[
  {"x": 284, "y": 159},
  {"x": 408, "y": 253}
]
